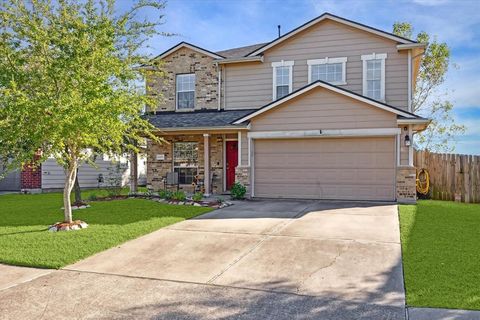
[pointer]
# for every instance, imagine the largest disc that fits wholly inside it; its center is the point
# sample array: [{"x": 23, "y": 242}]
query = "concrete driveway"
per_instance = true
[{"x": 254, "y": 260}]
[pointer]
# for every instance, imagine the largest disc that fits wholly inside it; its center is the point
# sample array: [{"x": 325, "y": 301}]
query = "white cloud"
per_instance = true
[{"x": 430, "y": 2}]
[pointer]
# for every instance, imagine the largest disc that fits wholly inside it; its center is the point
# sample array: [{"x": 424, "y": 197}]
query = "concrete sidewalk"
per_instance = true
[
  {"x": 442, "y": 314},
  {"x": 11, "y": 276}
]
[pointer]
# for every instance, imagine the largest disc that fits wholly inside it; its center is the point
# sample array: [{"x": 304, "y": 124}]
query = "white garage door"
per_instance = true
[{"x": 336, "y": 168}]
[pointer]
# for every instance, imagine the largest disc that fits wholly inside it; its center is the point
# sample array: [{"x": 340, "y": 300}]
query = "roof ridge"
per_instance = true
[{"x": 241, "y": 47}]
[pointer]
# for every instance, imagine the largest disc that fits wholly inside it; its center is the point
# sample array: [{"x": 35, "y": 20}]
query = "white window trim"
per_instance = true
[
  {"x": 282, "y": 63},
  {"x": 194, "y": 91},
  {"x": 374, "y": 56},
  {"x": 327, "y": 60}
]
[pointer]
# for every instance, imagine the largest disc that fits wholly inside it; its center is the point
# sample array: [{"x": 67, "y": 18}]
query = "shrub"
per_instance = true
[
  {"x": 238, "y": 191},
  {"x": 165, "y": 194},
  {"x": 179, "y": 196},
  {"x": 92, "y": 197},
  {"x": 149, "y": 193},
  {"x": 198, "y": 196}
]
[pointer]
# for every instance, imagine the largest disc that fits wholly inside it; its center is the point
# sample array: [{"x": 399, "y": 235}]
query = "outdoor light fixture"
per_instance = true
[{"x": 407, "y": 140}]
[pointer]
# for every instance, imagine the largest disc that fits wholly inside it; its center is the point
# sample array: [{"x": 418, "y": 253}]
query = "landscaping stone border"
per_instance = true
[
  {"x": 65, "y": 226},
  {"x": 211, "y": 204}
]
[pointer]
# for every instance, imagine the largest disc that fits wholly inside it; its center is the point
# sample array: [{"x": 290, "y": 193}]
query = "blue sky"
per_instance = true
[{"x": 217, "y": 25}]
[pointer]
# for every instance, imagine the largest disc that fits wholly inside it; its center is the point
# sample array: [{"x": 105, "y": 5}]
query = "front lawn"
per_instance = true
[
  {"x": 441, "y": 254},
  {"x": 24, "y": 219}
]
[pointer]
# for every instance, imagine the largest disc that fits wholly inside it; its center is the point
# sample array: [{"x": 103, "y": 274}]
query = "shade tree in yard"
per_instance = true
[{"x": 69, "y": 82}]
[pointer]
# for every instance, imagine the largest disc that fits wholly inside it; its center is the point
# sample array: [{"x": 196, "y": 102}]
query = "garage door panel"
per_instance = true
[
  {"x": 323, "y": 159},
  {"x": 353, "y": 168},
  {"x": 323, "y": 176},
  {"x": 372, "y": 161},
  {"x": 337, "y": 191},
  {"x": 305, "y": 146}
]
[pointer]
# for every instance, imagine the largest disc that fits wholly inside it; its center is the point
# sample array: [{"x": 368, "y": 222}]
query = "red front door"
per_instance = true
[{"x": 232, "y": 162}]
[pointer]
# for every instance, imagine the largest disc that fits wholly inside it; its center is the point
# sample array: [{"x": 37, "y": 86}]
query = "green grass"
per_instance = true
[
  {"x": 24, "y": 219},
  {"x": 441, "y": 254}
]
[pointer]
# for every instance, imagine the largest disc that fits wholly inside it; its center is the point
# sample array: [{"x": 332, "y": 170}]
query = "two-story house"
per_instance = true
[{"x": 322, "y": 112}]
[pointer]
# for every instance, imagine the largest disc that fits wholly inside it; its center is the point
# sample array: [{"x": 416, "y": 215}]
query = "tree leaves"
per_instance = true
[
  {"x": 427, "y": 100},
  {"x": 67, "y": 78}
]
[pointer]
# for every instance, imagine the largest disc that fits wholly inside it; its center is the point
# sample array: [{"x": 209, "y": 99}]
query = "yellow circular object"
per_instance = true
[{"x": 423, "y": 181}]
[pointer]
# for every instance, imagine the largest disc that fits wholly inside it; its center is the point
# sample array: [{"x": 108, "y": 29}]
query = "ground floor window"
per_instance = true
[
  {"x": 186, "y": 175},
  {"x": 185, "y": 161}
]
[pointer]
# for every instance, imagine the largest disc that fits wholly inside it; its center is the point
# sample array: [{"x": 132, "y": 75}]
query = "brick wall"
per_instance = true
[
  {"x": 181, "y": 61},
  {"x": 31, "y": 177},
  {"x": 406, "y": 185}
]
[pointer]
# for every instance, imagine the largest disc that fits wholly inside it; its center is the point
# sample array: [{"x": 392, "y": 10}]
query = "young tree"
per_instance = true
[
  {"x": 68, "y": 82},
  {"x": 427, "y": 99}
]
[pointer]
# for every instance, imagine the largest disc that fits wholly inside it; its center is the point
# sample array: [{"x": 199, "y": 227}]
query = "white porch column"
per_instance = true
[
  {"x": 206, "y": 157},
  {"x": 239, "y": 146}
]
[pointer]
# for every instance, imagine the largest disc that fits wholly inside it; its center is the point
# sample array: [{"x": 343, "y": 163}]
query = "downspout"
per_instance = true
[
  {"x": 410, "y": 81},
  {"x": 219, "y": 88},
  {"x": 224, "y": 70}
]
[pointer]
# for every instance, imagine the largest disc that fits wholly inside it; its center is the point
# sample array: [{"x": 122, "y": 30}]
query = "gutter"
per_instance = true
[
  {"x": 408, "y": 46},
  {"x": 412, "y": 121},
  {"x": 241, "y": 59},
  {"x": 230, "y": 127}
]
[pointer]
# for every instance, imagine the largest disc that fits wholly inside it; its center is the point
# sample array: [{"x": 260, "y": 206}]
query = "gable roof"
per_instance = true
[
  {"x": 184, "y": 44},
  {"x": 240, "y": 51},
  {"x": 330, "y": 87},
  {"x": 330, "y": 16}
]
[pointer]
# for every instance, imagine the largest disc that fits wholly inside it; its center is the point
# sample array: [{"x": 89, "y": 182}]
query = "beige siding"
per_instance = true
[
  {"x": 244, "y": 149},
  {"x": 249, "y": 85},
  {"x": 340, "y": 168},
  {"x": 53, "y": 175},
  {"x": 323, "y": 109}
]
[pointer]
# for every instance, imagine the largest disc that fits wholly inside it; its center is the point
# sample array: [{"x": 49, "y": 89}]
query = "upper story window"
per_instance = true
[
  {"x": 332, "y": 70},
  {"x": 185, "y": 91},
  {"x": 282, "y": 78},
  {"x": 374, "y": 75}
]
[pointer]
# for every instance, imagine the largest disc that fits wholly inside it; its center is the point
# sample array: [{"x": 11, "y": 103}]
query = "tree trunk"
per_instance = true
[
  {"x": 133, "y": 172},
  {"x": 71, "y": 174},
  {"x": 78, "y": 191}
]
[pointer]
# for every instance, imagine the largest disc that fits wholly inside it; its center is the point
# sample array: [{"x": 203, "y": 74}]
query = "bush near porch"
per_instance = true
[
  {"x": 441, "y": 254},
  {"x": 24, "y": 219}
]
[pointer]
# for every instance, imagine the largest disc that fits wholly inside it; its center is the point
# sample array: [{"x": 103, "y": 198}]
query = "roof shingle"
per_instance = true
[
  {"x": 196, "y": 119},
  {"x": 240, "y": 51}
]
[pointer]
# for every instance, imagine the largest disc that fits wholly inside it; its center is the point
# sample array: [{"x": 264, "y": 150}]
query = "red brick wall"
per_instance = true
[{"x": 31, "y": 177}]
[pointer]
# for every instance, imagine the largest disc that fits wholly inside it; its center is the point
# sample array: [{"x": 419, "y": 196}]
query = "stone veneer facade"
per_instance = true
[
  {"x": 242, "y": 175},
  {"x": 406, "y": 185},
  {"x": 184, "y": 61},
  {"x": 157, "y": 169}
]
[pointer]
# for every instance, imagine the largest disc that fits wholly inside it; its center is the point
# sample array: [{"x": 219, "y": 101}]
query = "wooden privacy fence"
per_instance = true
[{"x": 454, "y": 177}]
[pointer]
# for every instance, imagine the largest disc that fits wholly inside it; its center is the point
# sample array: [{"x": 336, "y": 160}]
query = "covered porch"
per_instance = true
[{"x": 199, "y": 147}]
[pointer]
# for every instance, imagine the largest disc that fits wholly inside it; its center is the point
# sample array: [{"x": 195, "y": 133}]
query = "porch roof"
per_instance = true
[{"x": 197, "y": 119}]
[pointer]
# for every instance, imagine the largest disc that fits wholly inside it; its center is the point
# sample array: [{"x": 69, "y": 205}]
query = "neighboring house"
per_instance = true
[
  {"x": 51, "y": 176},
  {"x": 322, "y": 112}
]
